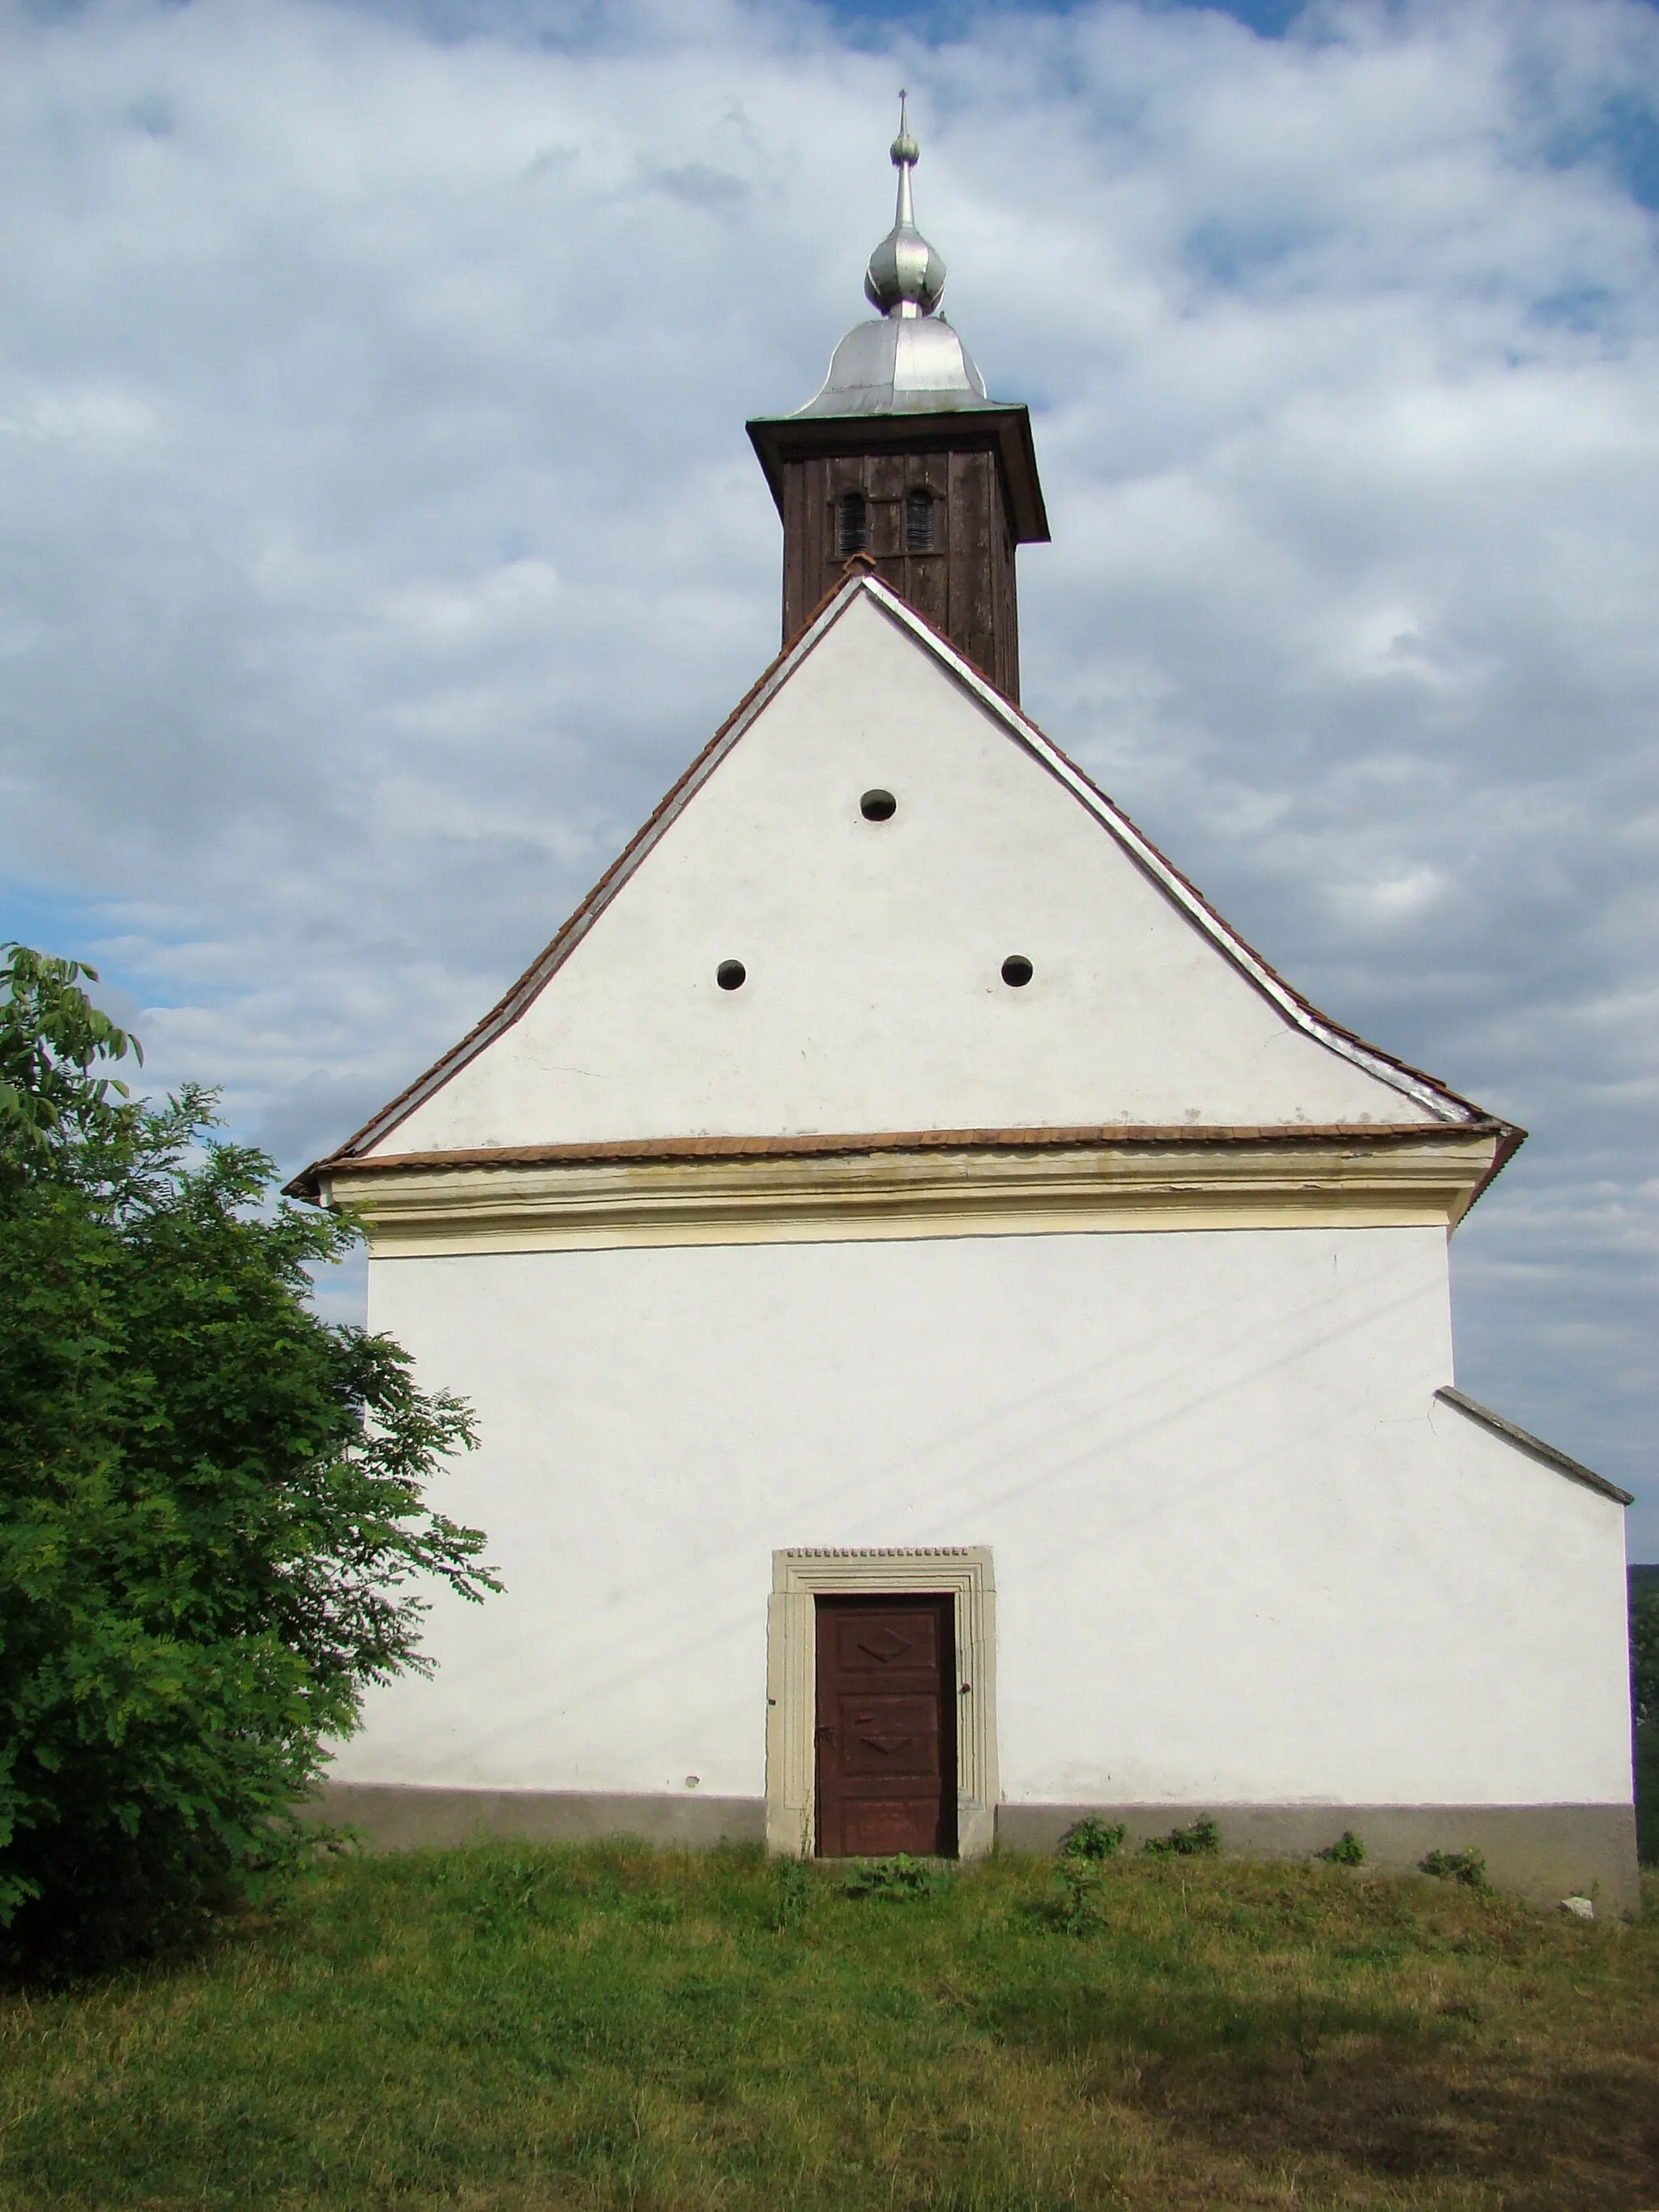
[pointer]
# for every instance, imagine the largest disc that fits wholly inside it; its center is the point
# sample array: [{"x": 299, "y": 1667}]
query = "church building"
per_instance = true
[{"x": 957, "y": 1341}]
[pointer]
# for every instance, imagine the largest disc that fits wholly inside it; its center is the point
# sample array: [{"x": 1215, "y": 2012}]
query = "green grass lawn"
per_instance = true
[{"x": 516, "y": 2028}]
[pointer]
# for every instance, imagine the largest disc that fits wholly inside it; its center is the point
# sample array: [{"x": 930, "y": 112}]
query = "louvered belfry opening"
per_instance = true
[
  {"x": 852, "y": 524},
  {"x": 918, "y": 520}
]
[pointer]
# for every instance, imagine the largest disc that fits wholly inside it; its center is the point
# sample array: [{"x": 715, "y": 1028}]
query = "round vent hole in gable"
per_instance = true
[
  {"x": 730, "y": 975},
  {"x": 877, "y": 806},
  {"x": 1017, "y": 971}
]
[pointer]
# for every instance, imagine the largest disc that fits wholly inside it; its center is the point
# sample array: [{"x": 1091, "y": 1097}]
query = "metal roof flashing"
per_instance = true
[{"x": 1534, "y": 1447}]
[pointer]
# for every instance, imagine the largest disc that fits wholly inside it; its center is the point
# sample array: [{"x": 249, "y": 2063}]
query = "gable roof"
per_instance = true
[{"x": 1444, "y": 1105}]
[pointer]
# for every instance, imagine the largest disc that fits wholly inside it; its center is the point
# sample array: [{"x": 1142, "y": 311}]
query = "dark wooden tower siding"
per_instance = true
[
  {"x": 964, "y": 583},
  {"x": 979, "y": 472}
]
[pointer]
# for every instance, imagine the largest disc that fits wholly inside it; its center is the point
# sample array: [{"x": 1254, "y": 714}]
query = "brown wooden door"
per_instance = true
[{"x": 886, "y": 1726}]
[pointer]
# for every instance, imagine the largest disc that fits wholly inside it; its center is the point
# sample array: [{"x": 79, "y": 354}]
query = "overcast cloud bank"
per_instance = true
[{"x": 378, "y": 535}]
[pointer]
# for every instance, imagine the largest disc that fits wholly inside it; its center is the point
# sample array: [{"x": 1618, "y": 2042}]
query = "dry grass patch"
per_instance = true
[{"x": 573, "y": 2031}]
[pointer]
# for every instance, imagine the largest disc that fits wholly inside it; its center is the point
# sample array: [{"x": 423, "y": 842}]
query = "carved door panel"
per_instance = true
[{"x": 886, "y": 1726}]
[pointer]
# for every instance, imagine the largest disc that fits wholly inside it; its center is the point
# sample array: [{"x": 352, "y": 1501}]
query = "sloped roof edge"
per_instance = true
[
  {"x": 1534, "y": 1447},
  {"x": 808, "y": 1143},
  {"x": 1446, "y": 1105}
]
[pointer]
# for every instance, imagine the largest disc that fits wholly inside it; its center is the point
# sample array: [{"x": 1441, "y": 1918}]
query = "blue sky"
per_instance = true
[
  {"x": 378, "y": 535},
  {"x": 1626, "y": 135},
  {"x": 938, "y": 18}
]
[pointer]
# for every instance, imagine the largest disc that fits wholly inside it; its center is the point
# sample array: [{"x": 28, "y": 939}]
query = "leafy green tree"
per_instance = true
[
  {"x": 1645, "y": 1658},
  {"x": 1644, "y": 1707},
  {"x": 213, "y": 1526}
]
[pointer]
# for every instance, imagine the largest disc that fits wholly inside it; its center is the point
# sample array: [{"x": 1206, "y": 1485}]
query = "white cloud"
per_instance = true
[
  {"x": 1402, "y": 896},
  {"x": 378, "y": 535}
]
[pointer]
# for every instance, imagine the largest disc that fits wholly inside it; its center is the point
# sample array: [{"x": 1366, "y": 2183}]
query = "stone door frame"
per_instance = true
[{"x": 963, "y": 1571}]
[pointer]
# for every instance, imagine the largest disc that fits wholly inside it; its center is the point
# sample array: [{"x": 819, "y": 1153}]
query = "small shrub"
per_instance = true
[
  {"x": 1091, "y": 1838},
  {"x": 1467, "y": 1867},
  {"x": 1347, "y": 1850},
  {"x": 1077, "y": 1910},
  {"x": 901, "y": 1877},
  {"x": 1201, "y": 1840}
]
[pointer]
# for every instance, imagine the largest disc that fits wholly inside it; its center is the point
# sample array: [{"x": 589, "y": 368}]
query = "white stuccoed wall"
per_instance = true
[
  {"x": 874, "y": 999},
  {"x": 1240, "y": 1556}
]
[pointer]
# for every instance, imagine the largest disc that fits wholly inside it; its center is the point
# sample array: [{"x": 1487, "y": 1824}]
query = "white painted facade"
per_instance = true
[{"x": 1243, "y": 1553}]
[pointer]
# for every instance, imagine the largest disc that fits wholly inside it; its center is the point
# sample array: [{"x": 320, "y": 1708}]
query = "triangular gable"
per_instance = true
[{"x": 1421, "y": 1099}]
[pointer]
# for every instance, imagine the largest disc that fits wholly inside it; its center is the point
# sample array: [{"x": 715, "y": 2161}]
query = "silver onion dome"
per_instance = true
[
  {"x": 906, "y": 275},
  {"x": 911, "y": 361}
]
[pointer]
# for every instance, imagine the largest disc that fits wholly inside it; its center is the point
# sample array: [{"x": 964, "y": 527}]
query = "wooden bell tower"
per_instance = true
[
  {"x": 903, "y": 459},
  {"x": 938, "y": 501}
]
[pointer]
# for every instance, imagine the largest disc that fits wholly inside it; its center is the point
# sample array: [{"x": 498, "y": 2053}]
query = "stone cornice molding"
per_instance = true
[{"x": 834, "y": 1189}]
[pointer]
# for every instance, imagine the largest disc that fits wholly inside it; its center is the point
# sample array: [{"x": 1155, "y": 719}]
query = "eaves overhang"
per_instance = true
[{"x": 835, "y": 1188}]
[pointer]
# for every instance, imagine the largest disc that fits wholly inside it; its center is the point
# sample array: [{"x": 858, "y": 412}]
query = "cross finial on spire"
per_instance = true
[{"x": 905, "y": 148}]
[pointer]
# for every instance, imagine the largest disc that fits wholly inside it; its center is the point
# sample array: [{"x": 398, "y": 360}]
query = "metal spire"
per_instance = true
[
  {"x": 904, "y": 154},
  {"x": 906, "y": 275}
]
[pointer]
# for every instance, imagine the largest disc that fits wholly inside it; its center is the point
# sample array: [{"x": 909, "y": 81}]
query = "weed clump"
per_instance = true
[
  {"x": 899, "y": 1877},
  {"x": 791, "y": 1893},
  {"x": 1347, "y": 1850},
  {"x": 1091, "y": 1837},
  {"x": 1077, "y": 1909},
  {"x": 1467, "y": 1867},
  {"x": 1201, "y": 1840}
]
